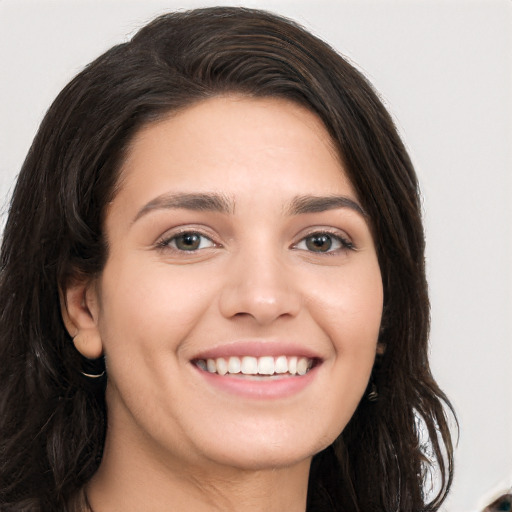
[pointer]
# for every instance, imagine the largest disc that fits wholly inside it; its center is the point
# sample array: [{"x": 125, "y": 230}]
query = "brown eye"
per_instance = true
[
  {"x": 321, "y": 242},
  {"x": 189, "y": 241},
  {"x": 324, "y": 242}
]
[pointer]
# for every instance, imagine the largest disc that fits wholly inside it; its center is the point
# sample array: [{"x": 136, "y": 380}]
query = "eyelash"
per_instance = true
[
  {"x": 344, "y": 243},
  {"x": 166, "y": 243}
]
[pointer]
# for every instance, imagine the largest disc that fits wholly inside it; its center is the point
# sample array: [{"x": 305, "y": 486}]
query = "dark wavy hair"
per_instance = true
[{"x": 52, "y": 418}]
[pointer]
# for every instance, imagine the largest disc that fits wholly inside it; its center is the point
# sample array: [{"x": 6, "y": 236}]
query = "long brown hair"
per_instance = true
[{"x": 52, "y": 418}]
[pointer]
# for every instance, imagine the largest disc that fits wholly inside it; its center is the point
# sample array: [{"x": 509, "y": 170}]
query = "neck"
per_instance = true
[{"x": 227, "y": 490}]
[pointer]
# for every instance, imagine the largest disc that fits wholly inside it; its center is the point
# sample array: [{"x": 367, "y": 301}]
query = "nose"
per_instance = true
[{"x": 260, "y": 287}]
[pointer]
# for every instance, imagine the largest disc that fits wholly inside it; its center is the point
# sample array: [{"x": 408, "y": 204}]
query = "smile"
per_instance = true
[{"x": 261, "y": 366}]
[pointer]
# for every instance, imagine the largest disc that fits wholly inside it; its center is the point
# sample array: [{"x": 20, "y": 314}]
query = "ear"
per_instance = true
[{"x": 80, "y": 312}]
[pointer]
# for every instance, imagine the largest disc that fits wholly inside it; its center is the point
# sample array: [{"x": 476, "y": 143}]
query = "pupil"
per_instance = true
[
  {"x": 188, "y": 242},
  {"x": 319, "y": 243}
]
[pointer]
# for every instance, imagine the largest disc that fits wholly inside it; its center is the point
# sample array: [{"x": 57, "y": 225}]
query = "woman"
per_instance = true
[{"x": 213, "y": 288}]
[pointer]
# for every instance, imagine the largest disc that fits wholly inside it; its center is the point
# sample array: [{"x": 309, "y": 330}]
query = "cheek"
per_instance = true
[
  {"x": 149, "y": 305},
  {"x": 349, "y": 308},
  {"x": 350, "y": 312}
]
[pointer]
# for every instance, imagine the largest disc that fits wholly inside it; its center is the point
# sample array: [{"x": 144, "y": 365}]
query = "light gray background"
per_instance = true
[{"x": 444, "y": 68}]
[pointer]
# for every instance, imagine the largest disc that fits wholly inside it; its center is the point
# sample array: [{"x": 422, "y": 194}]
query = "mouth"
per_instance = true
[
  {"x": 258, "y": 370},
  {"x": 257, "y": 367}
]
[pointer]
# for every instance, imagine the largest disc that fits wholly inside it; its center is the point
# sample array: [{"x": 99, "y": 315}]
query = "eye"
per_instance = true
[
  {"x": 323, "y": 243},
  {"x": 187, "y": 241}
]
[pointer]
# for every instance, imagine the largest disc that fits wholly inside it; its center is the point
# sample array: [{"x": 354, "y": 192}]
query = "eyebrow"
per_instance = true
[
  {"x": 198, "y": 202},
  {"x": 316, "y": 204},
  {"x": 210, "y": 202}
]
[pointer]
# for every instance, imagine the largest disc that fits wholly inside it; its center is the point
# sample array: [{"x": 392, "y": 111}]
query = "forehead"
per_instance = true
[{"x": 225, "y": 142}]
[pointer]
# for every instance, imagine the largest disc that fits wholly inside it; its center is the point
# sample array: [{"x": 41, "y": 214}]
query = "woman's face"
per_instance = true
[{"x": 240, "y": 305}]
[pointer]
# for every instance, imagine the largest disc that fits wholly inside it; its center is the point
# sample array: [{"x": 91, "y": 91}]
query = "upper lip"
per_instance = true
[{"x": 256, "y": 349}]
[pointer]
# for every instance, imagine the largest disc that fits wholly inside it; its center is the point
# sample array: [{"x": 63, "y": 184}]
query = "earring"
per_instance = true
[
  {"x": 373, "y": 395},
  {"x": 91, "y": 368},
  {"x": 92, "y": 375}
]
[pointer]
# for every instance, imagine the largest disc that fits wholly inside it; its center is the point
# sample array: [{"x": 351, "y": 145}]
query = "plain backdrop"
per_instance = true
[{"x": 444, "y": 69}]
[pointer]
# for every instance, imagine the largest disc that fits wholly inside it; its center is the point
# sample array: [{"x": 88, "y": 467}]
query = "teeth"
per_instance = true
[
  {"x": 211, "y": 366},
  {"x": 302, "y": 366},
  {"x": 266, "y": 365},
  {"x": 234, "y": 365},
  {"x": 281, "y": 365},
  {"x": 222, "y": 366},
  {"x": 292, "y": 365},
  {"x": 248, "y": 365}
]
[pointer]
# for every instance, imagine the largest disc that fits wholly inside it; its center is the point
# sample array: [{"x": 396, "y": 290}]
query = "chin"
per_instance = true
[{"x": 269, "y": 450}]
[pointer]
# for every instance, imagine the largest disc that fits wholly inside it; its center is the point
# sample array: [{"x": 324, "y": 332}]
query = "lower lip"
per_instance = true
[{"x": 273, "y": 388}]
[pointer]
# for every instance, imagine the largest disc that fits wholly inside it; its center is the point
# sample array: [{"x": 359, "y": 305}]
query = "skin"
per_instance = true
[{"x": 173, "y": 439}]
